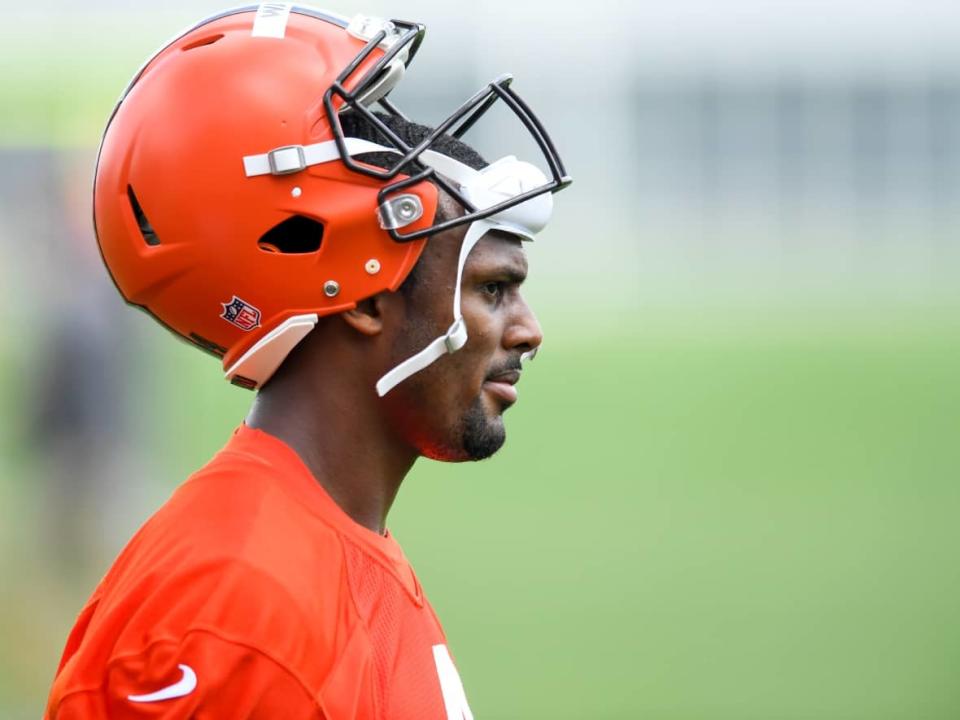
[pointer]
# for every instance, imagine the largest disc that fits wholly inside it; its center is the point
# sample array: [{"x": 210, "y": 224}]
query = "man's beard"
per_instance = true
[
  {"x": 480, "y": 435},
  {"x": 476, "y": 435}
]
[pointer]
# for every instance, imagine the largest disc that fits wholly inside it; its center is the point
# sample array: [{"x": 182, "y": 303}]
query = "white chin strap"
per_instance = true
[
  {"x": 502, "y": 180},
  {"x": 456, "y": 335}
]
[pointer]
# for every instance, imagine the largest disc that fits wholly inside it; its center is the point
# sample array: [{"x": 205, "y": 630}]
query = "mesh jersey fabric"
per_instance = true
[{"x": 255, "y": 581}]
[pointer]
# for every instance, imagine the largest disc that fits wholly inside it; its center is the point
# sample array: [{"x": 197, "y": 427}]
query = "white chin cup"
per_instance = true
[
  {"x": 505, "y": 179},
  {"x": 502, "y": 180}
]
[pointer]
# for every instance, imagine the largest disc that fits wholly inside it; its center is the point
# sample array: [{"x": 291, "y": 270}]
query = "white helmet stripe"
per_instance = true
[{"x": 271, "y": 20}]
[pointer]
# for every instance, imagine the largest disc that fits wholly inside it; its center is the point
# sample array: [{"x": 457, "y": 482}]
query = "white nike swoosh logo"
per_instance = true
[{"x": 184, "y": 686}]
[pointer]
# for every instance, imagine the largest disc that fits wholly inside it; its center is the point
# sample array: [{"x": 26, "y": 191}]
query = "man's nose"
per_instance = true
[{"x": 524, "y": 332}]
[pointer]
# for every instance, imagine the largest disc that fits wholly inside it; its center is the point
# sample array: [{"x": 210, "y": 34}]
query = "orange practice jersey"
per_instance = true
[{"x": 251, "y": 594}]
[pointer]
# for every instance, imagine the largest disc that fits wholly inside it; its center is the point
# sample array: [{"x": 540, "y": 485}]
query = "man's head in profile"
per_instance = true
[{"x": 277, "y": 210}]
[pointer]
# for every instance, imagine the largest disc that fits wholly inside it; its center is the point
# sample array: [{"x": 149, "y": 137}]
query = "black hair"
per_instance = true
[{"x": 356, "y": 125}]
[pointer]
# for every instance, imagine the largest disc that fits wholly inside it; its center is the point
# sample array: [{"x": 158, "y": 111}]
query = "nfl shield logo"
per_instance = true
[{"x": 244, "y": 315}]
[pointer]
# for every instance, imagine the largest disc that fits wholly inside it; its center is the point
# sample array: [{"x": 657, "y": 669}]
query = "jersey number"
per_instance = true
[{"x": 454, "y": 698}]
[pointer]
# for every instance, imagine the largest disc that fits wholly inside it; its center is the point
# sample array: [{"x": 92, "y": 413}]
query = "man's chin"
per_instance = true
[
  {"x": 482, "y": 434},
  {"x": 477, "y": 436}
]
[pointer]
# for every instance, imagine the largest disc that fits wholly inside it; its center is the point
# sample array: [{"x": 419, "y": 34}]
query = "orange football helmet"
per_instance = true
[{"x": 228, "y": 203}]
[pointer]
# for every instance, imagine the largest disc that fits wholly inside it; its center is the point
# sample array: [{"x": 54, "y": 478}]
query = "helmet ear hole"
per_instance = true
[
  {"x": 146, "y": 229},
  {"x": 203, "y": 41},
  {"x": 294, "y": 236}
]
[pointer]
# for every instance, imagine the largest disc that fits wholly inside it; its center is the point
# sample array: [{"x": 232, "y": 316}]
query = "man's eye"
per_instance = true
[{"x": 493, "y": 289}]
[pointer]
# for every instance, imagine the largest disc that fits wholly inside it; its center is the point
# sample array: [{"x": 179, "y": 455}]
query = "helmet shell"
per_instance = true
[{"x": 173, "y": 153}]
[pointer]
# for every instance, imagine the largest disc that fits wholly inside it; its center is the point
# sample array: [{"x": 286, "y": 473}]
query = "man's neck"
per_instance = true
[{"x": 341, "y": 440}]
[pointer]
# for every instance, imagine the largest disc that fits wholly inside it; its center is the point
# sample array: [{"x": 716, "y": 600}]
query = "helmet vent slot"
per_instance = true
[
  {"x": 146, "y": 229},
  {"x": 203, "y": 41},
  {"x": 294, "y": 236}
]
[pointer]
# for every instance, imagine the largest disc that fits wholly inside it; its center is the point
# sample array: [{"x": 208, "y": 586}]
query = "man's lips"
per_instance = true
[{"x": 502, "y": 385}]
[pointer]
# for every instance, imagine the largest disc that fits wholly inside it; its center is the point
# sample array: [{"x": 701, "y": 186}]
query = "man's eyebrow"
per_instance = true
[
  {"x": 515, "y": 273},
  {"x": 511, "y": 271}
]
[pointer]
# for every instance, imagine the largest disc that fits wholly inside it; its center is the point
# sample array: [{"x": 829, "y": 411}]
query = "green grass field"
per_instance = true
[
  {"x": 760, "y": 524},
  {"x": 712, "y": 517}
]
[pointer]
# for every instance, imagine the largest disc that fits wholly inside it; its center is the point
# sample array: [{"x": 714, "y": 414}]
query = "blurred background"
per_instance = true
[{"x": 731, "y": 488}]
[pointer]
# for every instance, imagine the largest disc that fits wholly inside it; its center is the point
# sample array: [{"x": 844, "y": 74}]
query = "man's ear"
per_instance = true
[{"x": 367, "y": 317}]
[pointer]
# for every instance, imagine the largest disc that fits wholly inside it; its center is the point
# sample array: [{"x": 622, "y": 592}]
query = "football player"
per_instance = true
[{"x": 259, "y": 194}]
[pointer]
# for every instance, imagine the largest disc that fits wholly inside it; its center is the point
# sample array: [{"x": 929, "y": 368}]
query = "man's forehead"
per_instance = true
[{"x": 501, "y": 248}]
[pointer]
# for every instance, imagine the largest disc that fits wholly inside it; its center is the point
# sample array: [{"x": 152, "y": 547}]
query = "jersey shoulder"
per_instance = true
[{"x": 236, "y": 554}]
